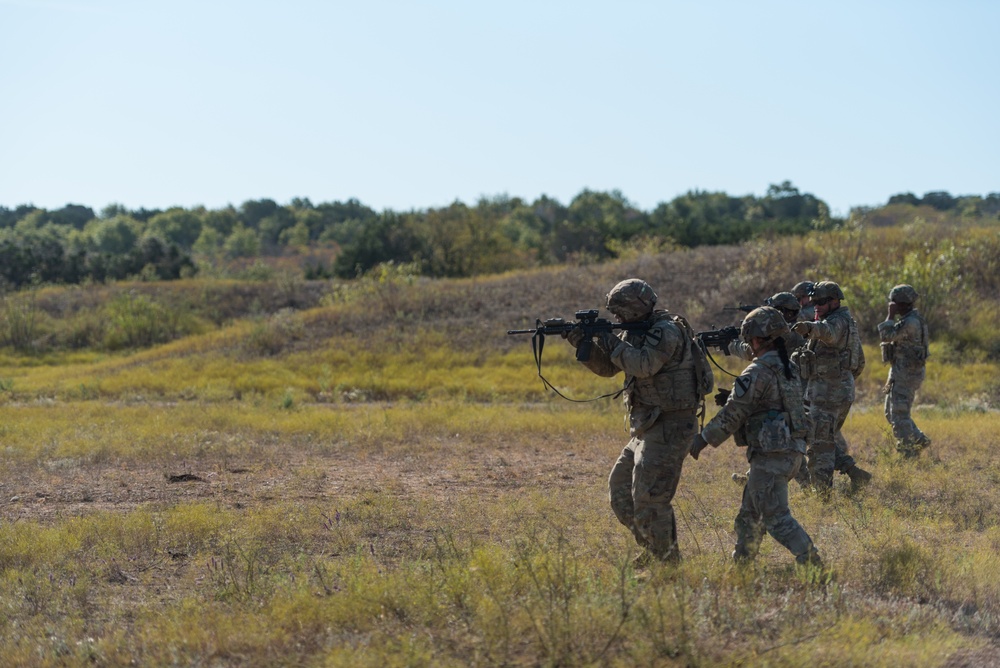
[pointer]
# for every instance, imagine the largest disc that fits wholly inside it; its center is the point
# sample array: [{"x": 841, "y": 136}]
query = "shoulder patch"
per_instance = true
[
  {"x": 654, "y": 335},
  {"x": 742, "y": 385}
]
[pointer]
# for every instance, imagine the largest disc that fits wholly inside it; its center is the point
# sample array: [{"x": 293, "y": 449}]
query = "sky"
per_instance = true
[{"x": 413, "y": 105}]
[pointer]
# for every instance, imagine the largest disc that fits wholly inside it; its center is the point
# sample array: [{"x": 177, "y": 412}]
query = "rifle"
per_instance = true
[
  {"x": 591, "y": 325},
  {"x": 719, "y": 338},
  {"x": 587, "y": 321},
  {"x": 746, "y": 308}
]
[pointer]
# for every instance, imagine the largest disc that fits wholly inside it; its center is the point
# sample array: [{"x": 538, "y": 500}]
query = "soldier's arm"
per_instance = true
[
  {"x": 893, "y": 332},
  {"x": 659, "y": 346},
  {"x": 600, "y": 361},
  {"x": 747, "y": 390},
  {"x": 829, "y": 331}
]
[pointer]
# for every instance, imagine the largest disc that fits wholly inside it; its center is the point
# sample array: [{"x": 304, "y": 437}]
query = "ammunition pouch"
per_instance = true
[
  {"x": 806, "y": 361},
  {"x": 769, "y": 432}
]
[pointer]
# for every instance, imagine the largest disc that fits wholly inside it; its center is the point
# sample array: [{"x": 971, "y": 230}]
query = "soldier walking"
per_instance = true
[
  {"x": 766, "y": 415},
  {"x": 905, "y": 346},
  {"x": 665, "y": 384}
]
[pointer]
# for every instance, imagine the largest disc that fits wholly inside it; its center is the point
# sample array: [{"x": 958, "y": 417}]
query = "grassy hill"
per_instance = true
[{"x": 370, "y": 473}]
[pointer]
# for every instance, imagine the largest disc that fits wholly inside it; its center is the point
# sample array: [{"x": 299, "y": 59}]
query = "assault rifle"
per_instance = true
[
  {"x": 591, "y": 326},
  {"x": 746, "y": 308},
  {"x": 587, "y": 321},
  {"x": 719, "y": 338}
]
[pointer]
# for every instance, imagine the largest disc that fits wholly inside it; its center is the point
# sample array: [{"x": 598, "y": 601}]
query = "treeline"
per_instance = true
[{"x": 74, "y": 245}]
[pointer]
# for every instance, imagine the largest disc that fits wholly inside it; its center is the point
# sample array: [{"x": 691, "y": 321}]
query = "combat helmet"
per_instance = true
[
  {"x": 784, "y": 301},
  {"x": 631, "y": 299},
  {"x": 803, "y": 289},
  {"x": 765, "y": 322},
  {"x": 826, "y": 290},
  {"x": 903, "y": 294}
]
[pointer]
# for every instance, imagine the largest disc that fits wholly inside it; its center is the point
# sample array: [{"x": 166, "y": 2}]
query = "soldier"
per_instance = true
[
  {"x": 830, "y": 363},
  {"x": 904, "y": 345},
  {"x": 664, "y": 389},
  {"x": 788, "y": 306},
  {"x": 801, "y": 291},
  {"x": 765, "y": 414}
]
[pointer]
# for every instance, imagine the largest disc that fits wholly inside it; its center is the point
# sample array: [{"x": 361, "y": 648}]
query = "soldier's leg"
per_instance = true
[
  {"x": 771, "y": 500},
  {"x": 748, "y": 526},
  {"x": 909, "y": 439},
  {"x": 658, "y": 462},
  {"x": 620, "y": 490},
  {"x": 822, "y": 450}
]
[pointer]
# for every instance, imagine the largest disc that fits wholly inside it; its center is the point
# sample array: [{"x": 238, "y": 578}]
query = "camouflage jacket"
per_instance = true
[
  {"x": 765, "y": 411},
  {"x": 659, "y": 370},
  {"x": 839, "y": 358},
  {"x": 907, "y": 342}
]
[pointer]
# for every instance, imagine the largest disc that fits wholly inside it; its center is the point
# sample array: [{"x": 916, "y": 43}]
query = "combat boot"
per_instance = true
[
  {"x": 859, "y": 477},
  {"x": 740, "y": 479}
]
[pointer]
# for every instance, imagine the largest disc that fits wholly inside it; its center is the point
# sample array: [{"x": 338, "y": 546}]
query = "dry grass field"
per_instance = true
[{"x": 373, "y": 474}]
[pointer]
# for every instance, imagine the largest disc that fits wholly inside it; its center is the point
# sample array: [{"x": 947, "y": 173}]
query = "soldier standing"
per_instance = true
[
  {"x": 905, "y": 346},
  {"x": 830, "y": 363},
  {"x": 765, "y": 414},
  {"x": 664, "y": 389}
]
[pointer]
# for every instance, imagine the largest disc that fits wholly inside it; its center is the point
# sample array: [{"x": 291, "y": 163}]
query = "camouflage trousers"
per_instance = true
[
  {"x": 765, "y": 508},
  {"x": 827, "y": 451},
  {"x": 644, "y": 480},
  {"x": 898, "y": 402}
]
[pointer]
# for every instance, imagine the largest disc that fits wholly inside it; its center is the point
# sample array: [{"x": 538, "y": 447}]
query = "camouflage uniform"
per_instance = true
[
  {"x": 766, "y": 415},
  {"x": 905, "y": 346},
  {"x": 662, "y": 401},
  {"x": 835, "y": 347}
]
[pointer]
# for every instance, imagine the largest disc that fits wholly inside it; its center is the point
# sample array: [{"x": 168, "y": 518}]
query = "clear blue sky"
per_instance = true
[{"x": 410, "y": 105}]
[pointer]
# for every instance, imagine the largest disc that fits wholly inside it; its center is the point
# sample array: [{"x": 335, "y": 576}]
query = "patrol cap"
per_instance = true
[{"x": 903, "y": 294}]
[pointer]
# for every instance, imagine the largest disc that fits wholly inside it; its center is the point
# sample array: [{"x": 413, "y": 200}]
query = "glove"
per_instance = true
[
  {"x": 698, "y": 443},
  {"x": 803, "y": 328},
  {"x": 575, "y": 336},
  {"x": 722, "y": 396},
  {"x": 609, "y": 340}
]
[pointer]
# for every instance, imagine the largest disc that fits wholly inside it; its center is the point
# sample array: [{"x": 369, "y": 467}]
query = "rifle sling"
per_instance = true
[{"x": 537, "y": 344}]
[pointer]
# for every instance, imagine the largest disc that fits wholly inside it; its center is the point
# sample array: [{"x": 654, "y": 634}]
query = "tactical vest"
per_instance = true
[
  {"x": 829, "y": 360},
  {"x": 913, "y": 350},
  {"x": 781, "y": 428},
  {"x": 675, "y": 385}
]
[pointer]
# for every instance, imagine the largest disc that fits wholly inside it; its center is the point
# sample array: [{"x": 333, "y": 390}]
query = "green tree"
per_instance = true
[
  {"x": 176, "y": 225},
  {"x": 242, "y": 242}
]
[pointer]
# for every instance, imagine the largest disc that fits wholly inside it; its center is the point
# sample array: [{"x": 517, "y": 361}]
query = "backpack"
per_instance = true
[{"x": 704, "y": 378}]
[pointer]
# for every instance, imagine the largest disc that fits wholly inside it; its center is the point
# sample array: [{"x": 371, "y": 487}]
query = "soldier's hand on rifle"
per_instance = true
[
  {"x": 609, "y": 340},
  {"x": 803, "y": 328},
  {"x": 575, "y": 336},
  {"x": 698, "y": 443},
  {"x": 722, "y": 396}
]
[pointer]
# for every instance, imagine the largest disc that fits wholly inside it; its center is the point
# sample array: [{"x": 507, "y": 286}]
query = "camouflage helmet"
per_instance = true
[
  {"x": 903, "y": 294},
  {"x": 631, "y": 299},
  {"x": 784, "y": 300},
  {"x": 764, "y": 322},
  {"x": 826, "y": 290},
  {"x": 803, "y": 289}
]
